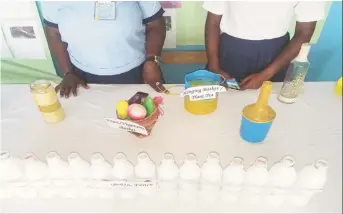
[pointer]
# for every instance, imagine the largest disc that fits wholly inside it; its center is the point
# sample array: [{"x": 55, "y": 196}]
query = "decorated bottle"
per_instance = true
[{"x": 295, "y": 76}]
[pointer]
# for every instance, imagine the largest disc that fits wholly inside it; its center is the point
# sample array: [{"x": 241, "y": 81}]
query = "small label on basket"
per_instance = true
[
  {"x": 203, "y": 92},
  {"x": 126, "y": 125}
]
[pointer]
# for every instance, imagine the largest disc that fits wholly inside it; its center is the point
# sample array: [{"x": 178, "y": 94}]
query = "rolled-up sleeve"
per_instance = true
[
  {"x": 151, "y": 10},
  {"x": 50, "y": 13},
  {"x": 215, "y": 7},
  {"x": 309, "y": 11}
]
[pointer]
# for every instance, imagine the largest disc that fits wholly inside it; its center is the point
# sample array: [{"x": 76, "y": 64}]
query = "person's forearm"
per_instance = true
[
  {"x": 303, "y": 34},
  {"x": 58, "y": 49},
  {"x": 212, "y": 41},
  {"x": 155, "y": 36}
]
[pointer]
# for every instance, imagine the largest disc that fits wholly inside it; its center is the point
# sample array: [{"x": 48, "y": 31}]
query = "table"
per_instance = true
[{"x": 309, "y": 129}]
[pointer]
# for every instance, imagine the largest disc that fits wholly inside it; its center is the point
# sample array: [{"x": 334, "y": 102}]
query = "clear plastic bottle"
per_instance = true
[
  {"x": 190, "y": 173},
  {"x": 100, "y": 168},
  {"x": 122, "y": 168},
  {"x": 211, "y": 176},
  {"x": 313, "y": 177},
  {"x": 36, "y": 171},
  {"x": 256, "y": 178},
  {"x": 10, "y": 167},
  {"x": 11, "y": 172},
  {"x": 211, "y": 172},
  {"x": 311, "y": 180},
  {"x": 282, "y": 176},
  {"x": 145, "y": 169},
  {"x": 79, "y": 169},
  {"x": 295, "y": 76},
  {"x": 233, "y": 179},
  {"x": 58, "y": 168},
  {"x": 59, "y": 175},
  {"x": 168, "y": 174}
]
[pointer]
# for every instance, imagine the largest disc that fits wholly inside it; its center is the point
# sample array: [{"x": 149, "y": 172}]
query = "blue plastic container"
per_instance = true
[
  {"x": 257, "y": 118},
  {"x": 201, "y": 75},
  {"x": 254, "y": 132}
]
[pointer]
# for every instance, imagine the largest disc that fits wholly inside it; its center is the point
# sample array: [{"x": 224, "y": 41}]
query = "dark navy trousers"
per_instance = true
[
  {"x": 240, "y": 57},
  {"x": 134, "y": 76}
]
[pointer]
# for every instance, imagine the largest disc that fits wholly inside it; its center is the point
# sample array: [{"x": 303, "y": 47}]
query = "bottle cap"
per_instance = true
[
  {"x": 52, "y": 156},
  {"x": 74, "y": 156},
  {"x": 191, "y": 158},
  {"x": 237, "y": 161},
  {"x": 288, "y": 161},
  {"x": 213, "y": 157},
  {"x": 321, "y": 164},
  {"x": 143, "y": 156},
  {"x": 120, "y": 157},
  {"x": 168, "y": 157},
  {"x": 261, "y": 162},
  {"x": 4, "y": 155},
  {"x": 97, "y": 158}
]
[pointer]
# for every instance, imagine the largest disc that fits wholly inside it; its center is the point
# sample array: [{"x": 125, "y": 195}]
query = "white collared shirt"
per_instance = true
[{"x": 254, "y": 20}]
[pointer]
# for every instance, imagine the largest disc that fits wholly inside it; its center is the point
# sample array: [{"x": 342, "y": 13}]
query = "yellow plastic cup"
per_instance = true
[{"x": 338, "y": 88}]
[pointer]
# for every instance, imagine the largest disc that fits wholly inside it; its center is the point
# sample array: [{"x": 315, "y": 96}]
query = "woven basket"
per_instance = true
[{"x": 148, "y": 122}]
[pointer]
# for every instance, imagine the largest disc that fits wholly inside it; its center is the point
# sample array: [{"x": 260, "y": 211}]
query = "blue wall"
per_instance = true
[{"x": 326, "y": 55}]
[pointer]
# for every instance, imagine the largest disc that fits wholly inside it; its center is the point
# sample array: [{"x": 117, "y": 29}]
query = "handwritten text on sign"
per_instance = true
[
  {"x": 126, "y": 125},
  {"x": 203, "y": 92}
]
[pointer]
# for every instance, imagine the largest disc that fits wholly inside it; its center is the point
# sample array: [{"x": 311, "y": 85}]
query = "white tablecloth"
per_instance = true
[{"x": 309, "y": 129}]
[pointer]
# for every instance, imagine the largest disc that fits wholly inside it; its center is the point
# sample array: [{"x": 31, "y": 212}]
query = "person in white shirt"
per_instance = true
[{"x": 249, "y": 40}]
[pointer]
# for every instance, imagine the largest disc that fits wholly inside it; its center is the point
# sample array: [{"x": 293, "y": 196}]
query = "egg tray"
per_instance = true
[{"x": 148, "y": 123}]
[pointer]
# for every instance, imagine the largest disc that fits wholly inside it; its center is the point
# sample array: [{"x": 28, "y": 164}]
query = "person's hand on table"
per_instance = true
[
  {"x": 254, "y": 81},
  {"x": 69, "y": 84},
  {"x": 152, "y": 75}
]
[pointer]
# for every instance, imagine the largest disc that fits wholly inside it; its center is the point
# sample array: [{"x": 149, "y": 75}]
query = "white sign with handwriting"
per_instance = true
[
  {"x": 126, "y": 125},
  {"x": 140, "y": 184},
  {"x": 203, "y": 92}
]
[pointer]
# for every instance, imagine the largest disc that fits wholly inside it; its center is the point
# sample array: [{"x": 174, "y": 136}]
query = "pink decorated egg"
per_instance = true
[{"x": 136, "y": 111}]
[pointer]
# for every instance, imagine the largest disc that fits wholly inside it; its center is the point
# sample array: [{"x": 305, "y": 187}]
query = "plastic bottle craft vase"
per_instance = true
[
  {"x": 257, "y": 118},
  {"x": 201, "y": 78},
  {"x": 47, "y": 101}
]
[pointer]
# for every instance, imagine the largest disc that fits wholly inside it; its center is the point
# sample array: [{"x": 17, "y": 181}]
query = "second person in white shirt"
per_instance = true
[{"x": 249, "y": 41}]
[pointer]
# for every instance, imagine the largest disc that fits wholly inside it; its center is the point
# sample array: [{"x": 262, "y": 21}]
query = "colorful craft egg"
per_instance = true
[
  {"x": 136, "y": 111},
  {"x": 149, "y": 105},
  {"x": 122, "y": 108}
]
